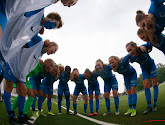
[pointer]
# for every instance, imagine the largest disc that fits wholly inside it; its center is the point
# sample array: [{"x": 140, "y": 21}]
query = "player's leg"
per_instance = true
[
  {"x": 107, "y": 88},
  {"x": 90, "y": 91},
  {"x": 116, "y": 97},
  {"x": 67, "y": 97}
]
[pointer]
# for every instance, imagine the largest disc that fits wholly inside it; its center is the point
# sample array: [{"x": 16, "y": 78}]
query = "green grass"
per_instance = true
[{"x": 120, "y": 119}]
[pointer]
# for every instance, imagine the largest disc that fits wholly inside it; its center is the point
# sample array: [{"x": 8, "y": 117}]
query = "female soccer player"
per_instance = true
[
  {"x": 148, "y": 69},
  {"x": 63, "y": 88},
  {"x": 47, "y": 83},
  {"x": 110, "y": 82},
  {"x": 80, "y": 87},
  {"x": 156, "y": 40},
  {"x": 130, "y": 79},
  {"x": 93, "y": 85},
  {"x": 155, "y": 17}
]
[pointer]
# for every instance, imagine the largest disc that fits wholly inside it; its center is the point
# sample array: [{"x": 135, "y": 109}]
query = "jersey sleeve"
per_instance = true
[
  {"x": 109, "y": 66},
  {"x": 126, "y": 59},
  {"x": 148, "y": 46},
  {"x": 36, "y": 39}
]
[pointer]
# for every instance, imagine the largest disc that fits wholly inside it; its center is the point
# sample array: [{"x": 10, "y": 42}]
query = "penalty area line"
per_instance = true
[{"x": 88, "y": 118}]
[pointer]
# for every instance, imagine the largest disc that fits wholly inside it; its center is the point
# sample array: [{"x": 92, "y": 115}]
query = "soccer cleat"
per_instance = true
[
  {"x": 96, "y": 113},
  {"x": 28, "y": 118},
  {"x": 154, "y": 108},
  {"x": 91, "y": 114},
  {"x": 24, "y": 121},
  {"x": 149, "y": 109},
  {"x": 35, "y": 114},
  {"x": 75, "y": 112},
  {"x": 12, "y": 120},
  {"x": 117, "y": 113},
  {"x": 133, "y": 113},
  {"x": 60, "y": 113},
  {"x": 41, "y": 114},
  {"x": 107, "y": 113},
  {"x": 51, "y": 113},
  {"x": 84, "y": 113},
  {"x": 128, "y": 112}
]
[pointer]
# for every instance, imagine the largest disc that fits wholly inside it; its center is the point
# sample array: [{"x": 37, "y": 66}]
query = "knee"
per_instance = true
[
  {"x": 67, "y": 97},
  {"x": 60, "y": 97}
]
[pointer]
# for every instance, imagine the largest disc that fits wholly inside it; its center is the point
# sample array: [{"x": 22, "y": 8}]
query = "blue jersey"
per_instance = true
[
  {"x": 49, "y": 80},
  {"x": 125, "y": 68},
  {"x": 80, "y": 81},
  {"x": 63, "y": 79},
  {"x": 144, "y": 60},
  {"x": 92, "y": 82},
  {"x": 106, "y": 74},
  {"x": 160, "y": 45},
  {"x": 157, "y": 8},
  {"x": 37, "y": 78}
]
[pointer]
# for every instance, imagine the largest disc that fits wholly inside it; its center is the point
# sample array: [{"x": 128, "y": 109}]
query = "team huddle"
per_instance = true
[{"x": 21, "y": 49}]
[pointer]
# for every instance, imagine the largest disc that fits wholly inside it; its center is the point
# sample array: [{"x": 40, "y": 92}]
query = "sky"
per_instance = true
[{"x": 96, "y": 29}]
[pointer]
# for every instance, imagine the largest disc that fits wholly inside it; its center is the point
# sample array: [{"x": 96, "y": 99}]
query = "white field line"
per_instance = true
[{"x": 88, "y": 118}]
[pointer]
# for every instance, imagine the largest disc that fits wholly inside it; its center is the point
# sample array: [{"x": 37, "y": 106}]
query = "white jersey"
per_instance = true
[
  {"x": 25, "y": 60},
  {"x": 16, "y": 7},
  {"x": 18, "y": 32}
]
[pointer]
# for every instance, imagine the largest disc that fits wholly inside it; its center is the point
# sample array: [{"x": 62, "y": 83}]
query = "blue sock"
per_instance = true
[
  {"x": 34, "y": 103},
  {"x": 85, "y": 107},
  {"x": 91, "y": 105},
  {"x": 97, "y": 105},
  {"x": 107, "y": 102},
  {"x": 75, "y": 107},
  {"x": 116, "y": 101},
  {"x": 59, "y": 104},
  {"x": 130, "y": 101},
  {"x": 49, "y": 104},
  {"x": 148, "y": 96},
  {"x": 134, "y": 100},
  {"x": 156, "y": 91},
  {"x": 40, "y": 101},
  {"x": 67, "y": 104},
  {"x": 21, "y": 102},
  {"x": 7, "y": 97}
]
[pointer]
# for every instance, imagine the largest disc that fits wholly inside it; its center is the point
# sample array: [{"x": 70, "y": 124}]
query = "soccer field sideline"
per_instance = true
[{"x": 88, "y": 118}]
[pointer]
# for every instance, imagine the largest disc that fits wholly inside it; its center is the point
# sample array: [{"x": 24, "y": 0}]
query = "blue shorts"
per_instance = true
[
  {"x": 113, "y": 84},
  {"x": 2, "y": 62},
  {"x": 47, "y": 89},
  {"x": 130, "y": 81},
  {"x": 151, "y": 71},
  {"x": 77, "y": 90},
  {"x": 3, "y": 19},
  {"x": 63, "y": 89},
  {"x": 9, "y": 75},
  {"x": 94, "y": 88},
  {"x": 35, "y": 84}
]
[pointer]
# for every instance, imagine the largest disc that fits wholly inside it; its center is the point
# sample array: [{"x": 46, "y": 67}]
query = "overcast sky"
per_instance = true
[{"x": 96, "y": 29}]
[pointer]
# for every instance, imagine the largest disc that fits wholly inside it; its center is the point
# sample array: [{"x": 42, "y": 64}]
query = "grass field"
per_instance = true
[{"x": 64, "y": 119}]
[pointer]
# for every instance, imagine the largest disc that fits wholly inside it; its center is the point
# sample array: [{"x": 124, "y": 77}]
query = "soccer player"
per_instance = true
[
  {"x": 130, "y": 79},
  {"x": 148, "y": 69},
  {"x": 155, "y": 20},
  {"x": 93, "y": 85},
  {"x": 63, "y": 88},
  {"x": 47, "y": 83},
  {"x": 152, "y": 39},
  {"x": 110, "y": 82},
  {"x": 80, "y": 87}
]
